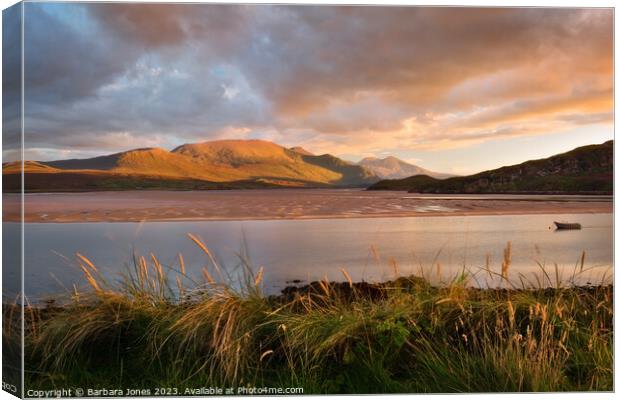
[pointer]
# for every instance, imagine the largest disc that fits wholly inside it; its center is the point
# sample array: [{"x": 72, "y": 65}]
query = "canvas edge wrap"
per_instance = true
[{"x": 12, "y": 238}]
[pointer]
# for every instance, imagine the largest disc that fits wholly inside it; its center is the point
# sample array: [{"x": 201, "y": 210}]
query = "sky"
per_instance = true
[{"x": 455, "y": 90}]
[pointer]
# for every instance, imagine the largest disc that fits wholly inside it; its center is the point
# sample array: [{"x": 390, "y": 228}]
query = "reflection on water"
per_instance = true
[
  {"x": 311, "y": 249},
  {"x": 434, "y": 209}
]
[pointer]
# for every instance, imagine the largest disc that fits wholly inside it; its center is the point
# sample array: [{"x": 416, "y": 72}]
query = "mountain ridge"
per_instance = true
[
  {"x": 250, "y": 162},
  {"x": 228, "y": 164},
  {"x": 585, "y": 169},
  {"x": 394, "y": 168}
]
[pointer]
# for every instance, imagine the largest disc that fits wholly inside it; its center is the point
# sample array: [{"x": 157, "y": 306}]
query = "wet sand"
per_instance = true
[{"x": 134, "y": 206}]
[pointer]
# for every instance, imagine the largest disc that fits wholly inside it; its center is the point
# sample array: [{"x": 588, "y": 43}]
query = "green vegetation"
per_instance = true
[
  {"x": 90, "y": 182},
  {"x": 157, "y": 327},
  {"x": 587, "y": 169}
]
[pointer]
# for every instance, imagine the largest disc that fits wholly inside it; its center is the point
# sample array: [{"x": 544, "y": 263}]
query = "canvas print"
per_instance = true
[{"x": 236, "y": 199}]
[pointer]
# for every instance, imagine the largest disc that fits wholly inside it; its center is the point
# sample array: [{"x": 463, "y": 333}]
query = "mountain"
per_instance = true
[
  {"x": 349, "y": 171},
  {"x": 148, "y": 161},
  {"x": 221, "y": 164},
  {"x": 394, "y": 168},
  {"x": 301, "y": 150},
  {"x": 587, "y": 169},
  {"x": 15, "y": 167},
  {"x": 267, "y": 160}
]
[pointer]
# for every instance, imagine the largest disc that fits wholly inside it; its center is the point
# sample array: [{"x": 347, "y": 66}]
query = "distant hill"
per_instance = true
[
  {"x": 235, "y": 163},
  {"x": 587, "y": 169},
  {"x": 15, "y": 167},
  {"x": 394, "y": 168},
  {"x": 301, "y": 150},
  {"x": 261, "y": 159},
  {"x": 350, "y": 172}
]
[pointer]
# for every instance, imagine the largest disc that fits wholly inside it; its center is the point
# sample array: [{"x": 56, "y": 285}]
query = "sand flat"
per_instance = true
[{"x": 133, "y": 206}]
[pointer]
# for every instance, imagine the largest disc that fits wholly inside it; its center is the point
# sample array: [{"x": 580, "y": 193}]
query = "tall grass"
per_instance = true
[{"x": 158, "y": 327}]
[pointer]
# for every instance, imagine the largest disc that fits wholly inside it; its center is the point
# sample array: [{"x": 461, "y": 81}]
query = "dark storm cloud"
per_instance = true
[
  {"x": 89, "y": 87},
  {"x": 11, "y": 82},
  {"x": 64, "y": 64},
  {"x": 165, "y": 25},
  {"x": 331, "y": 76}
]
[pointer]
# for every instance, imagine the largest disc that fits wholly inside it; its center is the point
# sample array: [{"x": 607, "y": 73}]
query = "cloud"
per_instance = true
[
  {"x": 11, "y": 83},
  {"x": 345, "y": 80},
  {"x": 157, "y": 26},
  {"x": 63, "y": 63},
  {"x": 417, "y": 55}
]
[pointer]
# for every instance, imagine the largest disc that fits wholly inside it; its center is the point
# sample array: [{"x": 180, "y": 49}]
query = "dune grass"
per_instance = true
[{"x": 157, "y": 327}]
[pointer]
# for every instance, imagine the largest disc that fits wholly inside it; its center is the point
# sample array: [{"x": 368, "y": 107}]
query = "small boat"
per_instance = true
[{"x": 567, "y": 225}]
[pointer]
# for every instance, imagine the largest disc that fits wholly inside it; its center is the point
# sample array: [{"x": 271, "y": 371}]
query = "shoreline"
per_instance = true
[
  {"x": 284, "y": 204},
  {"x": 309, "y": 218},
  {"x": 371, "y": 290}
]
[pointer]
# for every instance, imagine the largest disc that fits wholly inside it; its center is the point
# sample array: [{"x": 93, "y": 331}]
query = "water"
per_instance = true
[{"x": 368, "y": 248}]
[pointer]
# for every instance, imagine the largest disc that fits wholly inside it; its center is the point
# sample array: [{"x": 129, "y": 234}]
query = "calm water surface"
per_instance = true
[{"x": 311, "y": 249}]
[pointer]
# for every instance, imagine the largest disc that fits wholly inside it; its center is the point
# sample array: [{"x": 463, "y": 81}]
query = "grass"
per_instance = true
[{"x": 157, "y": 327}]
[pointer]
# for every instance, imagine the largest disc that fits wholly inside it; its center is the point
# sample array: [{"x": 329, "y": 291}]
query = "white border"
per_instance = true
[{"x": 476, "y": 3}]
